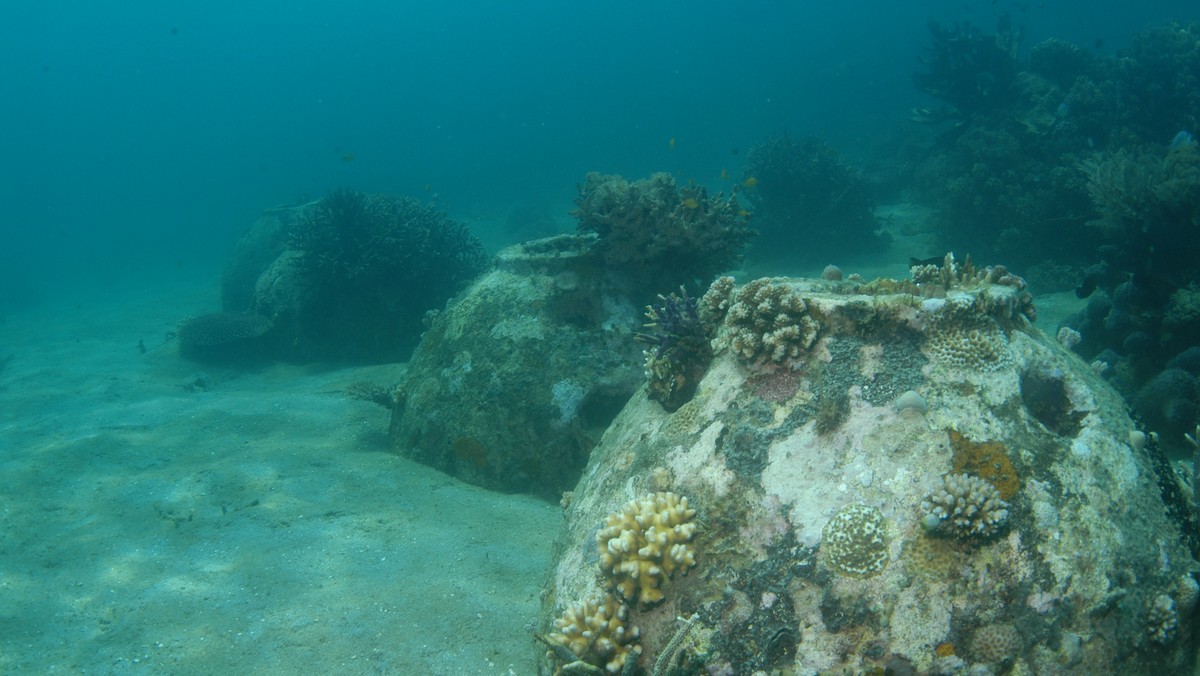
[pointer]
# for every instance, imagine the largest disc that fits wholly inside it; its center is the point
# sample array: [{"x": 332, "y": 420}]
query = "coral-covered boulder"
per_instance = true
[
  {"x": 349, "y": 277},
  {"x": 514, "y": 383},
  {"x": 892, "y": 486}
]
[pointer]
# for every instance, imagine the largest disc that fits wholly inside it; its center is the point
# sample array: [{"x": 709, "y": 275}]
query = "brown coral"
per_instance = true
[
  {"x": 643, "y": 545},
  {"x": 597, "y": 632},
  {"x": 768, "y": 322}
]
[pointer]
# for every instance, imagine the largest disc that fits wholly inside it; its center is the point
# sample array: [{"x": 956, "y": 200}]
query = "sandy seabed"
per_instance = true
[{"x": 161, "y": 516}]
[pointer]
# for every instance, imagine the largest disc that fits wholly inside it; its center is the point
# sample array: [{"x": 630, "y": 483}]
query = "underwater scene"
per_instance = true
[{"x": 639, "y": 339}]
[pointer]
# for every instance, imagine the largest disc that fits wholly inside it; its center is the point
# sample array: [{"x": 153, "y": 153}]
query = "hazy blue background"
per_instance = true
[{"x": 139, "y": 138}]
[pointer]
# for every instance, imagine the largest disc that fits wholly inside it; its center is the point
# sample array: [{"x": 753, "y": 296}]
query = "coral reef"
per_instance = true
[
  {"x": 658, "y": 234},
  {"x": 596, "y": 632},
  {"x": 964, "y": 506},
  {"x": 223, "y": 336},
  {"x": 645, "y": 543},
  {"x": 854, "y": 542},
  {"x": 809, "y": 205},
  {"x": 768, "y": 322},
  {"x": 679, "y": 349}
]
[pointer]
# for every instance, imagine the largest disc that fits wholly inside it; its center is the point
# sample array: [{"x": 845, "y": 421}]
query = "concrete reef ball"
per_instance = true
[
  {"x": 598, "y": 633},
  {"x": 643, "y": 545}
]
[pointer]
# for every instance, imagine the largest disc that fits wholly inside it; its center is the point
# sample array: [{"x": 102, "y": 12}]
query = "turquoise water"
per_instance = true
[{"x": 163, "y": 518}]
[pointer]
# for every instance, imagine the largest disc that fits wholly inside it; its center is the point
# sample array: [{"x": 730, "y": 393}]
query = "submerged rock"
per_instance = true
[{"x": 814, "y": 550}]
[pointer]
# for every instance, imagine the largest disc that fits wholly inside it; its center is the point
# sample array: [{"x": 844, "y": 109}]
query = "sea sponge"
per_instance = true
[
  {"x": 965, "y": 506},
  {"x": 596, "y": 632},
  {"x": 769, "y": 322},
  {"x": 854, "y": 541},
  {"x": 645, "y": 543}
]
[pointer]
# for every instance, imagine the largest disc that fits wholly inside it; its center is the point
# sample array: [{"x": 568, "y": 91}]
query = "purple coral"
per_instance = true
[
  {"x": 678, "y": 352},
  {"x": 678, "y": 330}
]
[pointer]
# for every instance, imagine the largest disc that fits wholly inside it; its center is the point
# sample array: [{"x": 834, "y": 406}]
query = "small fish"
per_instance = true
[
  {"x": 690, "y": 203},
  {"x": 744, "y": 214},
  {"x": 671, "y": 143},
  {"x": 724, "y": 174},
  {"x": 750, "y": 182},
  {"x": 347, "y": 157}
]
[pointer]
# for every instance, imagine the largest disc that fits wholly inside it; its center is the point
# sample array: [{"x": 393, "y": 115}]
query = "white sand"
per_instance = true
[{"x": 256, "y": 525}]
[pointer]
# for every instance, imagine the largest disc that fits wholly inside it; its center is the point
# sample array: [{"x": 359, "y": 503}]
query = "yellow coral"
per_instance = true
[
  {"x": 643, "y": 545},
  {"x": 597, "y": 633}
]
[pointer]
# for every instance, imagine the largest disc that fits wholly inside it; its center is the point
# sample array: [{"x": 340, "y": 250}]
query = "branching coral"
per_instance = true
[
  {"x": 715, "y": 302},
  {"x": 768, "y": 322},
  {"x": 596, "y": 632},
  {"x": 645, "y": 543},
  {"x": 364, "y": 270},
  {"x": 661, "y": 235},
  {"x": 679, "y": 351},
  {"x": 964, "y": 506}
]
